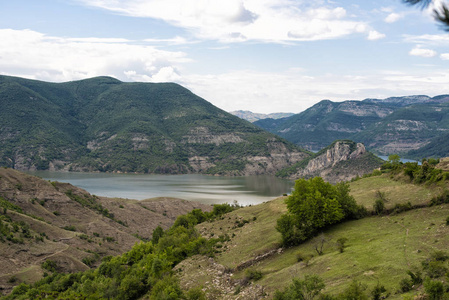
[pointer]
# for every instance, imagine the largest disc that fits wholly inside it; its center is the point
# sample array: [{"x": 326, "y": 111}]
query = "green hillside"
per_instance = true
[
  {"x": 234, "y": 253},
  {"x": 437, "y": 147},
  {"x": 102, "y": 124},
  {"x": 389, "y": 126}
]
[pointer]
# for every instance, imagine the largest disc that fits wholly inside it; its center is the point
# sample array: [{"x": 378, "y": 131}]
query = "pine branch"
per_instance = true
[
  {"x": 442, "y": 16},
  {"x": 422, "y": 3}
]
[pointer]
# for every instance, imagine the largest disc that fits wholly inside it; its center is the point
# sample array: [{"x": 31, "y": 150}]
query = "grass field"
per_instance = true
[{"x": 380, "y": 249}]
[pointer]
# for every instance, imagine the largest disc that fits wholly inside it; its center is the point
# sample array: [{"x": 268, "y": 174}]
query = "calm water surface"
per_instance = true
[{"x": 206, "y": 189}]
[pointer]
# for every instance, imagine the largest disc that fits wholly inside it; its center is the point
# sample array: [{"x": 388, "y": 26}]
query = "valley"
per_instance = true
[{"x": 379, "y": 248}]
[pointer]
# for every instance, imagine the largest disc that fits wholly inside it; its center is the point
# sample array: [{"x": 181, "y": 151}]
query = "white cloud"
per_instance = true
[
  {"x": 35, "y": 55},
  {"x": 295, "y": 91},
  {"x": 393, "y": 17},
  {"x": 444, "y": 56},
  {"x": 428, "y": 39},
  {"x": 417, "y": 51},
  {"x": 242, "y": 20},
  {"x": 374, "y": 35}
]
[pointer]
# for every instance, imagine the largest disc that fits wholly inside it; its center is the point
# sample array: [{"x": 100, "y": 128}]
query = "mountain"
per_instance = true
[
  {"x": 42, "y": 220},
  {"x": 343, "y": 160},
  {"x": 102, "y": 124},
  {"x": 252, "y": 117},
  {"x": 438, "y": 147},
  {"x": 392, "y": 125}
]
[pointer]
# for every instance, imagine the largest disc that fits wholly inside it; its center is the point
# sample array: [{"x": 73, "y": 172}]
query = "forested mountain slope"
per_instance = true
[
  {"x": 392, "y": 125},
  {"x": 102, "y": 124}
]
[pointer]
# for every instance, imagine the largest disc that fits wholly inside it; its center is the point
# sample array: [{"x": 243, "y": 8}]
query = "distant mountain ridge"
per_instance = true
[
  {"x": 392, "y": 125},
  {"x": 252, "y": 117},
  {"x": 103, "y": 124}
]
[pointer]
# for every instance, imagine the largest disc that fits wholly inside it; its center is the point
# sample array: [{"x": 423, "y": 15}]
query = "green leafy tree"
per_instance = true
[
  {"x": 314, "y": 204},
  {"x": 158, "y": 232},
  {"x": 394, "y": 159}
]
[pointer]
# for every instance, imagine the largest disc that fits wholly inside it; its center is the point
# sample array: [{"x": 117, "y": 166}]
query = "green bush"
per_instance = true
[
  {"x": 379, "y": 206},
  {"x": 308, "y": 288},
  {"x": 434, "y": 289},
  {"x": 253, "y": 274}
]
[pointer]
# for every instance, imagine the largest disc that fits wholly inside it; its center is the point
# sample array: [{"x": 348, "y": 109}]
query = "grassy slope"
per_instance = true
[
  {"x": 41, "y": 199},
  {"x": 380, "y": 249}
]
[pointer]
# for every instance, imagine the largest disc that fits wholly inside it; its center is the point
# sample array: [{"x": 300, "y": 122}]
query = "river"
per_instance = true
[{"x": 246, "y": 190}]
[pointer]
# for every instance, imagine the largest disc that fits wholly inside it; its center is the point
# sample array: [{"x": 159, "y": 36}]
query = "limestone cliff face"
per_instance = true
[
  {"x": 276, "y": 157},
  {"x": 341, "y": 161},
  {"x": 279, "y": 157}
]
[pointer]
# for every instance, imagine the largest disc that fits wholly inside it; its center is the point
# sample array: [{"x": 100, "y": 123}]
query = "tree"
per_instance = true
[
  {"x": 440, "y": 14},
  {"x": 394, "y": 159},
  {"x": 314, "y": 204}
]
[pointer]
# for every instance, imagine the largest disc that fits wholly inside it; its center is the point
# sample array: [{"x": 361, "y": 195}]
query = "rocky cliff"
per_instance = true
[{"x": 341, "y": 161}]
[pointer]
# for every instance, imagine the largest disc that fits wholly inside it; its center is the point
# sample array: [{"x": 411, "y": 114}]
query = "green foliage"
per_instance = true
[
  {"x": 315, "y": 204},
  {"x": 378, "y": 292},
  {"x": 355, "y": 291},
  {"x": 8, "y": 205},
  {"x": 69, "y": 228},
  {"x": 252, "y": 274},
  {"x": 379, "y": 206},
  {"x": 307, "y": 289},
  {"x": 133, "y": 127},
  {"x": 195, "y": 294},
  {"x": 405, "y": 285},
  {"x": 394, "y": 159},
  {"x": 415, "y": 277},
  {"x": 434, "y": 289},
  {"x": 158, "y": 232},
  {"x": 49, "y": 265},
  {"x": 145, "y": 269},
  {"x": 341, "y": 244}
]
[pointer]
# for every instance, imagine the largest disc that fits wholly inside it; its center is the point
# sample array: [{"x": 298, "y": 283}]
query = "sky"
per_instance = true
[{"x": 260, "y": 55}]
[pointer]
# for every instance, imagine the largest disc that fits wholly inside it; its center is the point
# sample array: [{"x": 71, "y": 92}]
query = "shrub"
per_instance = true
[
  {"x": 355, "y": 291},
  {"x": 415, "y": 277},
  {"x": 309, "y": 288},
  {"x": 434, "y": 289},
  {"x": 434, "y": 268},
  {"x": 341, "y": 244},
  {"x": 378, "y": 206},
  {"x": 405, "y": 285},
  {"x": 195, "y": 294},
  {"x": 253, "y": 274},
  {"x": 69, "y": 228},
  {"x": 49, "y": 265},
  {"x": 377, "y": 292}
]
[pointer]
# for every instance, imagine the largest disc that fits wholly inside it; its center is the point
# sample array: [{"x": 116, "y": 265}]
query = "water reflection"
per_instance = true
[{"x": 206, "y": 189}]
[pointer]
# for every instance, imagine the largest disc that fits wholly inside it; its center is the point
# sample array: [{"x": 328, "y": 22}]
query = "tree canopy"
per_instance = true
[{"x": 315, "y": 204}]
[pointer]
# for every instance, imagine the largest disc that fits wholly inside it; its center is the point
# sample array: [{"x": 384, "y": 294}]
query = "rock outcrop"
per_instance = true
[{"x": 341, "y": 161}]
